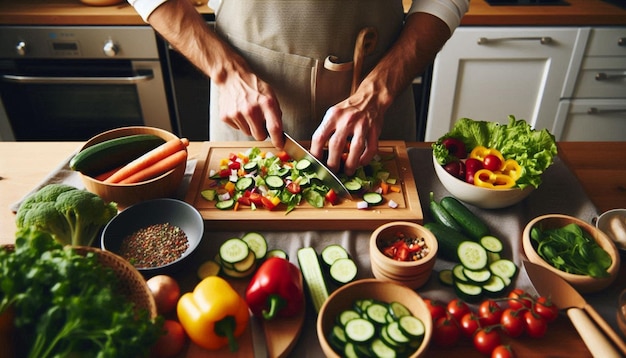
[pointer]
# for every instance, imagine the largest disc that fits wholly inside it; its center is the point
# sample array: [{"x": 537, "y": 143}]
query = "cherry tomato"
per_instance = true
[
  {"x": 331, "y": 197},
  {"x": 489, "y": 312},
  {"x": 502, "y": 351},
  {"x": 472, "y": 165},
  {"x": 171, "y": 342},
  {"x": 536, "y": 326},
  {"x": 446, "y": 332},
  {"x": 469, "y": 324},
  {"x": 546, "y": 309},
  {"x": 293, "y": 187},
  {"x": 486, "y": 340},
  {"x": 457, "y": 308},
  {"x": 492, "y": 162},
  {"x": 437, "y": 308},
  {"x": 512, "y": 322},
  {"x": 519, "y": 299}
]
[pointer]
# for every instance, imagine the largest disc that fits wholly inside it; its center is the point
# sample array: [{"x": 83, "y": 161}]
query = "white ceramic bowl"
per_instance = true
[
  {"x": 582, "y": 283},
  {"x": 478, "y": 196}
]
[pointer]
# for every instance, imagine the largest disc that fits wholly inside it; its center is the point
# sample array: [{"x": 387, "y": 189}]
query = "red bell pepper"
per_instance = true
[{"x": 276, "y": 289}]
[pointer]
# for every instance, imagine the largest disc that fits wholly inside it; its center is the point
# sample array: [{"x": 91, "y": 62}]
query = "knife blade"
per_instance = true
[
  {"x": 298, "y": 152},
  {"x": 564, "y": 296},
  {"x": 259, "y": 345}
]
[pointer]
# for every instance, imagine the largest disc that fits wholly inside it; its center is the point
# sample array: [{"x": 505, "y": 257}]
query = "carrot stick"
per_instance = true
[
  {"x": 106, "y": 175},
  {"x": 162, "y": 166},
  {"x": 163, "y": 151}
]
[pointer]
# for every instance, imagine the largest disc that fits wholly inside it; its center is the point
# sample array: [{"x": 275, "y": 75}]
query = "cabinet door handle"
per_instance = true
[
  {"x": 621, "y": 41},
  {"x": 602, "y": 76},
  {"x": 595, "y": 110},
  {"x": 544, "y": 40}
]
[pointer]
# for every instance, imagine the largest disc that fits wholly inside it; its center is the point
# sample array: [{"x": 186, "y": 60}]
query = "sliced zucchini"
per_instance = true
[
  {"x": 233, "y": 251},
  {"x": 343, "y": 270},
  {"x": 360, "y": 330},
  {"x": 333, "y": 252},
  {"x": 492, "y": 244},
  {"x": 257, "y": 243},
  {"x": 472, "y": 255},
  {"x": 373, "y": 199}
]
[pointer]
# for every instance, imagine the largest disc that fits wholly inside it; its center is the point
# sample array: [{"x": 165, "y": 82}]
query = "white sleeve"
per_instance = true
[
  {"x": 450, "y": 11},
  {"x": 145, "y": 7}
]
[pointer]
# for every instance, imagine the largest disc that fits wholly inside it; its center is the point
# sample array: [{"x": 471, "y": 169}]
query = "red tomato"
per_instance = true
[
  {"x": 486, "y": 340},
  {"x": 492, "y": 162},
  {"x": 171, "y": 342},
  {"x": 536, "y": 326},
  {"x": 331, "y": 197},
  {"x": 293, "y": 187},
  {"x": 283, "y": 156},
  {"x": 489, "y": 312},
  {"x": 512, "y": 322},
  {"x": 457, "y": 308},
  {"x": 519, "y": 299},
  {"x": 546, "y": 309},
  {"x": 469, "y": 324},
  {"x": 502, "y": 351},
  {"x": 472, "y": 165},
  {"x": 437, "y": 308},
  {"x": 446, "y": 332}
]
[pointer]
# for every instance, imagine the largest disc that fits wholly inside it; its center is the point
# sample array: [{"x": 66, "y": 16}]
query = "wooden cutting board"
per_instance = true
[{"x": 343, "y": 216}]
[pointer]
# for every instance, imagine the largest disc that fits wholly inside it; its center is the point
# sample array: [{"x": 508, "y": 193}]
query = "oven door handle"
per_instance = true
[{"x": 141, "y": 76}]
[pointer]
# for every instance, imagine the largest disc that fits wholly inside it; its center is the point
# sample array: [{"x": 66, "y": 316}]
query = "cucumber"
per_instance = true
[
  {"x": 472, "y": 225},
  {"x": 494, "y": 287},
  {"x": 274, "y": 182},
  {"x": 333, "y": 252},
  {"x": 492, "y": 244},
  {"x": 277, "y": 253},
  {"x": 445, "y": 277},
  {"x": 472, "y": 255},
  {"x": 225, "y": 204},
  {"x": 244, "y": 183},
  {"x": 377, "y": 313},
  {"x": 442, "y": 216},
  {"x": 113, "y": 153},
  {"x": 233, "y": 251},
  {"x": 346, "y": 316},
  {"x": 304, "y": 165},
  {"x": 343, "y": 270},
  {"x": 360, "y": 330},
  {"x": 458, "y": 274},
  {"x": 468, "y": 292},
  {"x": 245, "y": 264},
  {"x": 313, "y": 277},
  {"x": 448, "y": 240},
  {"x": 398, "y": 310},
  {"x": 478, "y": 277},
  {"x": 381, "y": 349},
  {"x": 504, "y": 268},
  {"x": 412, "y": 327},
  {"x": 353, "y": 186},
  {"x": 251, "y": 167},
  {"x": 257, "y": 243},
  {"x": 373, "y": 199}
]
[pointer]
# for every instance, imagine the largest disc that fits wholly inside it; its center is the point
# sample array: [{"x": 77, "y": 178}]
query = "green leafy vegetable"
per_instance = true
[
  {"x": 71, "y": 216},
  {"x": 67, "y": 304},
  {"x": 534, "y": 150},
  {"x": 571, "y": 249}
]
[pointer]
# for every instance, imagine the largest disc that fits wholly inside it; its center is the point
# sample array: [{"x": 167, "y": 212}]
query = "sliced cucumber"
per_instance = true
[
  {"x": 225, "y": 204},
  {"x": 346, "y": 316},
  {"x": 373, "y": 199},
  {"x": 277, "y": 253},
  {"x": 343, "y": 270},
  {"x": 381, "y": 350},
  {"x": 245, "y": 264},
  {"x": 257, "y": 243},
  {"x": 468, "y": 292},
  {"x": 353, "y": 186},
  {"x": 312, "y": 274},
  {"x": 472, "y": 255},
  {"x": 304, "y": 165},
  {"x": 239, "y": 274},
  {"x": 377, "y": 313},
  {"x": 398, "y": 310},
  {"x": 333, "y": 252},
  {"x": 412, "y": 327},
  {"x": 504, "y": 268},
  {"x": 337, "y": 338},
  {"x": 244, "y": 183},
  {"x": 250, "y": 167},
  {"x": 491, "y": 244},
  {"x": 477, "y": 277},
  {"x": 360, "y": 330},
  {"x": 233, "y": 251},
  {"x": 446, "y": 277},
  {"x": 458, "y": 273},
  {"x": 393, "y": 329},
  {"x": 494, "y": 287},
  {"x": 493, "y": 256},
  {"x": 274, "y": 182}
]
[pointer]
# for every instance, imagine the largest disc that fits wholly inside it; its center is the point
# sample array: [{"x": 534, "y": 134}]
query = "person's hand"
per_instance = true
[
  {"x": 249, "y": 104},
  {"x": 357, "y": 122}
]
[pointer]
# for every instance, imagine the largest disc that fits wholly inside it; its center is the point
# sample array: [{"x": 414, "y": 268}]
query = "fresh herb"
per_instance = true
[
  {"x": 571, "y": 249},
  {"x": 67, "y": 303}
]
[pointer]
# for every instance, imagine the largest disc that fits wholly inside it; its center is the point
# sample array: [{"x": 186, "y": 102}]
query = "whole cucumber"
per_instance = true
[
  {"x": 447, "y": 239},
  {"x": 113, "y": 153},
  {"x": 472, "y": 225},
  {"x": 442, "y": 216}
]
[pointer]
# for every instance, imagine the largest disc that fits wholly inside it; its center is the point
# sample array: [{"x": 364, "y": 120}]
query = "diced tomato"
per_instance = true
[
  {"x": 256, "y": 198},
  {"x": 234, "y": 165},
  {"x": 244, "y": 200},
  {"x": 224, "y": 173},
  {"x": 283, "y": 156},
  {"x": 403, "y": 253},
  {"x": 293, "y": 187},
  {"x": 389, "y": 251},
  {"x": 331, "y": 197},
  {"x": 232, "y": 157}
]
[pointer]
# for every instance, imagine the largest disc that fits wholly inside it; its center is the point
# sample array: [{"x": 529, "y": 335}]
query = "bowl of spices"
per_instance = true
[
  {"x": 403, "y": 252},
  {"x": 155, "y": 236}
]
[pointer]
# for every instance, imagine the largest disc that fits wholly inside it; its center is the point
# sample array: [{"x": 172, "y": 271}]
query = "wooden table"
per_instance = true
[{"x": 601, "y": 168}]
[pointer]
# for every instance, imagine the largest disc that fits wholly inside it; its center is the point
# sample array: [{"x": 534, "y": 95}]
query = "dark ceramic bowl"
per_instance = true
[{"x": 148, "y": 213}]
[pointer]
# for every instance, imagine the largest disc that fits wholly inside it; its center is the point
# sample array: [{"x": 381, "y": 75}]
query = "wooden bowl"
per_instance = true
[
  {"x": 101, "y": 2},
  {"x": 384, "y": 291},
  {"x": 582, "y": 283},
  {"x": 126, "y": 195},
  {"x": 412, "y": 274}
]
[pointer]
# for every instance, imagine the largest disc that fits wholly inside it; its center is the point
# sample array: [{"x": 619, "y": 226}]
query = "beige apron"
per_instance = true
[{"x": 304, "y": 49}]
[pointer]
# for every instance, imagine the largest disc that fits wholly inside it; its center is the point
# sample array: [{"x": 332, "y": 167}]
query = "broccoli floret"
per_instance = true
[{"x": 72, "y": 216}]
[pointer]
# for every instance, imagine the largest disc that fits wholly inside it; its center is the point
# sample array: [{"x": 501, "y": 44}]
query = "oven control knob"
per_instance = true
[
  {"x": 110, "y": 49},
  {"x": 21, "y": 48}
]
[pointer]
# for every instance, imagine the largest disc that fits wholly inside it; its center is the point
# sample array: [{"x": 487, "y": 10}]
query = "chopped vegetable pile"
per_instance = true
[
  {"x": 533, "y": 150},
  {"x": 69, "y": 304}
]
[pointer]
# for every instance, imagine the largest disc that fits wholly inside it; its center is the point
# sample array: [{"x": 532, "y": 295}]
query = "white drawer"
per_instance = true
[
  {"x": 607, "y": 42},
  {"x": 594, "y": 120},
  {"x": 602, "y": 77}
]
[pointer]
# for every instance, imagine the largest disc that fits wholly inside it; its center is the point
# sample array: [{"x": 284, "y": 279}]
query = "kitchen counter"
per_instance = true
[
  {"x": 594, "y": 164},
  {"x": 73, "y": 12}
]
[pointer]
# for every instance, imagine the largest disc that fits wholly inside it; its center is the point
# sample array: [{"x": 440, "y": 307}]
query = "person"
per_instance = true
[{"x": 287, "y": 65}]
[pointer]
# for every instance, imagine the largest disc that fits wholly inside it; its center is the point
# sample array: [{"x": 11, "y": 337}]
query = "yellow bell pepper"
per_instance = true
[
  {"x": 480, "y": 152},
  {"x": 487, "y": 179},
  {"x": 214, "y": 314},
  {"x": 511, "y": 168}
]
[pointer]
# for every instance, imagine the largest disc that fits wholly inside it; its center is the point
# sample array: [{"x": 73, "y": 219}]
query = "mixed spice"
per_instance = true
[
  {"x": 154, "y": 245},
  {"x": 404, "y": 247}
]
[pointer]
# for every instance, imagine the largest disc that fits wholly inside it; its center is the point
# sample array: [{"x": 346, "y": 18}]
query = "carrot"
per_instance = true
[
  {"x": 105, "y": 175},
  {"x": 159, "y": 153},
  {"x": 162, "y": 166}
]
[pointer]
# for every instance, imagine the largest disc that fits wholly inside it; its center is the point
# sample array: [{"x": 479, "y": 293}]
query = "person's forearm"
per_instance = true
[
  {"x": 185, "y": 29},
  {"x": 421, "y": 39}
]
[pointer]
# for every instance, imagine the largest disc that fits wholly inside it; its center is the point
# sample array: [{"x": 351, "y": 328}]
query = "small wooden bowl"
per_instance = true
[
  {"x": 126, "y": 195},
  {"x": 383, "y": 291},
  {"x": 582, "y": 283},
  {"x": 412, "y": 274}
]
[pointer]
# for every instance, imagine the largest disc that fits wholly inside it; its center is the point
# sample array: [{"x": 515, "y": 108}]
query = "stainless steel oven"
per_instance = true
[{"x": 70, "y": 83}]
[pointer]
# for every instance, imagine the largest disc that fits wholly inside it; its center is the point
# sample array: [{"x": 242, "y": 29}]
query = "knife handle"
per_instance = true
[
  {"x": 619, "y": 342},
  {"x": 597, "y": 343}
]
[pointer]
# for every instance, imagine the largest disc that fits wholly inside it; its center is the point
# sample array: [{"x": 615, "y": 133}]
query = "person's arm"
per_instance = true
[
  {"x": 360, "y": 117},
  {"x": 246, "y": 102}
]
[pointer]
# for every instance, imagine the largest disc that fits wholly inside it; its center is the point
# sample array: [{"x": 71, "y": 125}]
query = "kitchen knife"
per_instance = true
[
  {"x": 564, "y": 296},
  {"x": 297, "y": 152},
  {"x": 259, "y": 344}
]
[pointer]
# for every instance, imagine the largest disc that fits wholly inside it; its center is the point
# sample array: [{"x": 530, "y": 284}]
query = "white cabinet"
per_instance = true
[
  {"x": 596, "y": 109},
  {"x": 488, "y": 73}
]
